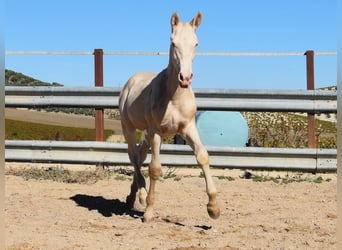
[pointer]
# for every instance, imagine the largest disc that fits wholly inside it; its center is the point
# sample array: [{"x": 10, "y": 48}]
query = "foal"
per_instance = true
[{"x": 160, "y": 105}]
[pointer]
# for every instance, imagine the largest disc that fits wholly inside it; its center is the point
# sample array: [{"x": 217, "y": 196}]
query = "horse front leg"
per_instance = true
[
  {"x": 154, "y": 172},
  {"x": 202, "y": 157}
]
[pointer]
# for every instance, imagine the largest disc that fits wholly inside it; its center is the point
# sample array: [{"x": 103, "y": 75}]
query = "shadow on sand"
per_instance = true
[
  {"x": 104, "y": 206},
  {"x": 109, "y": 208}
]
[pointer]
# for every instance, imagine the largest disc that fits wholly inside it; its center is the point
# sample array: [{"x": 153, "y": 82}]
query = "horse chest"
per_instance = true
[{"x": 176, "y": 118}]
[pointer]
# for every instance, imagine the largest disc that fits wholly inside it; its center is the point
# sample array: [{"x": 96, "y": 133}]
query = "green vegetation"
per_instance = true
[
  {"x": 13, "y": 78},
  {"x": 288, "y": 130},
  {"x": 19, "y": 130},
  {"x": 288, "y": 179},
  {"x": 229, "y": 178},
  {"x": 76, "y": 111}
]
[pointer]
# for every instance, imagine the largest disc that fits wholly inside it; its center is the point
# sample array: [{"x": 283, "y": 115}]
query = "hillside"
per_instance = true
[{"x": 13, "y": 78}]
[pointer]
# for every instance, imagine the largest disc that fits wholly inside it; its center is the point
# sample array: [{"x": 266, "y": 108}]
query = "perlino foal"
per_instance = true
[{"x": 160, "y": 105}]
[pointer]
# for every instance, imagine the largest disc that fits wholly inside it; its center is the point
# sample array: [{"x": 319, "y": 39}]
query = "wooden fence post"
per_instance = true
[
  {"x": 99, "y": 113},
  {"x": 310, "y": 85}
]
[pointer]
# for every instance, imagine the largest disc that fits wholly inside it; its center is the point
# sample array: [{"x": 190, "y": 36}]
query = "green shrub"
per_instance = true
[{"x": 288, "y": 130}]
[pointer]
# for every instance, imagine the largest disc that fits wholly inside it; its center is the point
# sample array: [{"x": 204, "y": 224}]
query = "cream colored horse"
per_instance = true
[{"x": 160, "y": 105}]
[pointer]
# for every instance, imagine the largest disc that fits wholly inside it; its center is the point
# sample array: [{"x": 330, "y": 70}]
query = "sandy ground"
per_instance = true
[{"x": 254, "y": 215}]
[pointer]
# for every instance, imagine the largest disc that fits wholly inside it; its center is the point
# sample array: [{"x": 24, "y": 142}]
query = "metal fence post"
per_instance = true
[
  {"x": 99, "y": 113},
  {"x": 310, "y": 85}
]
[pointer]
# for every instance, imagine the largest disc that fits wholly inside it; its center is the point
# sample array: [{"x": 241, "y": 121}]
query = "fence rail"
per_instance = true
[
  {"x": 310, "y": 101},
  {"x": 311, "y": 160},
  {"x": 313, "y": 101}
]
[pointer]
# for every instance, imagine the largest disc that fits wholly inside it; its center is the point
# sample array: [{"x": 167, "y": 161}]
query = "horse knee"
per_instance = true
[
  {"x": 154, "y": 172},
  {"x": 202, "y": 157}
]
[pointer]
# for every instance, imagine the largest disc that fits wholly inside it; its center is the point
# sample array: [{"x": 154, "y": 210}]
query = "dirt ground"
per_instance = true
[{"x": 254, "y": 215}]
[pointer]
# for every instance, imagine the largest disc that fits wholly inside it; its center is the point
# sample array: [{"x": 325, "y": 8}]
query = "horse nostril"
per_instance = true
[
  {"x": 191, "y": 76},
  {"x": 185, "y": 79}
]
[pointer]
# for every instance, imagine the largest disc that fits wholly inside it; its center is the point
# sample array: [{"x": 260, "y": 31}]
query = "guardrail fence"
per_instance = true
[
  {"x": 310, "y": 101},
  {"x": 313, "y": 101}
]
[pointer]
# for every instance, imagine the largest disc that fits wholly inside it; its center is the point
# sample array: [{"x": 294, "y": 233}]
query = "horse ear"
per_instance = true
[
  {"x": 174, "y": 19},
  {"x": 196, "y": 21}
]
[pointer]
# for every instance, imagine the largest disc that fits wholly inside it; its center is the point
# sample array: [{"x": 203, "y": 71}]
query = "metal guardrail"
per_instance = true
[
  {"x": 311, "y": 160},
  {"x": 313, "y": 101}
]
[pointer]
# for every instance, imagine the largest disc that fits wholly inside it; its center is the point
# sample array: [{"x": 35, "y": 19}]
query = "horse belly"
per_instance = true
[{"x": 136, "y": 114}]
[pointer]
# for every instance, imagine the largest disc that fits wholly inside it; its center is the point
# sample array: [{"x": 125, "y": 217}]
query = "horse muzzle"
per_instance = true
[{"x": 185, "y": 81}]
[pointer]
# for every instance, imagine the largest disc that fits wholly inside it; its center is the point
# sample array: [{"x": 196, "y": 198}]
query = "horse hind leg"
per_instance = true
[
  {"x": 137, "y": 155},
  {"x": 142, "y": 151}
]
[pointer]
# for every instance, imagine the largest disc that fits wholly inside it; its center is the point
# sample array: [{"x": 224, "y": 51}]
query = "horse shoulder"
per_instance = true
[{"x": 134, "y": 98}]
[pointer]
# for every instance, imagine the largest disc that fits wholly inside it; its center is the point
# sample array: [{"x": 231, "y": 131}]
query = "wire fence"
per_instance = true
[{"x": 163, "y": 53}]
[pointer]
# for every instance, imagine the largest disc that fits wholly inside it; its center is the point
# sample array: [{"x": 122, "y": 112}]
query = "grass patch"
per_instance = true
[
  {"x": 170, "y": 174},
  {"x": 288, "y": 179},
  {"x": 229, "y": 178},
  {"x": 20, "y": 130}
]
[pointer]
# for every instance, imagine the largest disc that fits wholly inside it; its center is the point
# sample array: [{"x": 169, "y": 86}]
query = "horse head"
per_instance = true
[{"x": 183, "y": 46}]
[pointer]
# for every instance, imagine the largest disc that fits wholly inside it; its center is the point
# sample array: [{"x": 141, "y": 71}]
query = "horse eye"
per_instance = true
[{"x": 196, "y": 44}]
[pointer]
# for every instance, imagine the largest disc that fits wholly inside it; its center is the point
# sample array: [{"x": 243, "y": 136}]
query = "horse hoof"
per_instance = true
[
  {"x": 147, "y": 219},
  {"x": 148, "y": 216},
  {"x": 213, "y": 211}
]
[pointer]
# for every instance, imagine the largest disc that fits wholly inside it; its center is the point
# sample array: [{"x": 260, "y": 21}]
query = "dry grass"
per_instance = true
[
  {"x": 63, "y": 175},
  {"x": 60, "y": 174},
  {"x": 288, "y": 130}
]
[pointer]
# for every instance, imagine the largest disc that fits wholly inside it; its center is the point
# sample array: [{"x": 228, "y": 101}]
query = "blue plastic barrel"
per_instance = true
[{"x": 222, "y": 128}]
